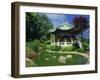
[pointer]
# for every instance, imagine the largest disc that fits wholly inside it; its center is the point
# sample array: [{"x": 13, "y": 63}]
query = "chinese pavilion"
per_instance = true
[{"x": 63, "y": 35}]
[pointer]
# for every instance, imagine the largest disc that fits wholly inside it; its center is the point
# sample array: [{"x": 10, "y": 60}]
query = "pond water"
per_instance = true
[{"x": 57, "y": 59}]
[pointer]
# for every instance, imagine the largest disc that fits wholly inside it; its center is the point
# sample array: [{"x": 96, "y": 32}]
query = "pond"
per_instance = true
[{"x": 58, "y": 59}]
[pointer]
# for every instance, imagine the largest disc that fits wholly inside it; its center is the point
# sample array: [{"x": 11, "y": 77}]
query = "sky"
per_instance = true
[{"x": 58, "y": 19}]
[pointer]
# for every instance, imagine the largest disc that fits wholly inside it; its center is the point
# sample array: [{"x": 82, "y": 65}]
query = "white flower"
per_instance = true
[
  {"x": 62, "y": 59},
  {"x": 69, "y": 56}
]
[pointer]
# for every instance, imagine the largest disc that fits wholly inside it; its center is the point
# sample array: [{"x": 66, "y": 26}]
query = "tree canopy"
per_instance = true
[
  {"x": 81, "y": 24},
  {"x": 37, "y": 26}
]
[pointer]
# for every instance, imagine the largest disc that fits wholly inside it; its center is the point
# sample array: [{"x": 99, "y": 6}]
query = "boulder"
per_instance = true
[{"x": 30, "y": 53}]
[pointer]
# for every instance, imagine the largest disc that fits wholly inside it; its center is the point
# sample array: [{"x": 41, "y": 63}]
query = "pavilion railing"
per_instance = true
[{"x": 62, "y": 43}]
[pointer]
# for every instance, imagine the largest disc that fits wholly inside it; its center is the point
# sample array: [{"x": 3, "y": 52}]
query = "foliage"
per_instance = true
[
  {"x": 53, "y": 47},
  {"x": 42, "y": 48},
  {"x": 86, "y": 44},
  {"x": 29, "y": 50},
  {"x": 68, "y": 48},
  {"x": 79, "y": 50},
  {"x": 81, "y": 23},
  {"x": 37, "y": 26},
  {"x": 34, "y": 45}
]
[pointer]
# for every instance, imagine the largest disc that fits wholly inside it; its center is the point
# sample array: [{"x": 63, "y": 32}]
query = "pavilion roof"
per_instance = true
[
  {"x": 66, "y": 27},
  {"x": 63, "y": 27}
]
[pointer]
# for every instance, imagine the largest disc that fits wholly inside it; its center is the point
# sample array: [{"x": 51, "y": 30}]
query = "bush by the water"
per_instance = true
[
  {"x": 79, "y": 50},
  {"x": 53, "y": 47},
  {"x": 68, "y": 48},
  {"x": 86, "y": 44},
  {"x": 59, "y": 48}
]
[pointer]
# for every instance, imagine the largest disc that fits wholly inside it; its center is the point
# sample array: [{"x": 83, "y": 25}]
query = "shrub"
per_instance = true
[
  {"x": 68, "y": 48},
  {"x": 86, "y": 45},
  {"x": 80, "y": 50},
  {"x": 48, "y": 46},
  {"x": 53, "y": 48},
  {"x": 42, "y": 47},
  {"x": 34, "y": 45},
  {"x": 47, "y": 42},
  {"x": 57, "y": 48}
]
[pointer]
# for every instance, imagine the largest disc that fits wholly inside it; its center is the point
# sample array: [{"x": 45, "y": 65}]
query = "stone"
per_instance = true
[
  {"x": 69, "y": 56},
  {"x": 29, "y": 62},
  {"x": 30, "y": 53},
  {"x": 62, "y": 59}
]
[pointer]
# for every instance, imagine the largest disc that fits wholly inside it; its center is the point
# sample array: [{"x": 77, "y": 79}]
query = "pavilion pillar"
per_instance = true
[
  {"x": 52, "y": 39},
  {"x": 72, "y": 40}
]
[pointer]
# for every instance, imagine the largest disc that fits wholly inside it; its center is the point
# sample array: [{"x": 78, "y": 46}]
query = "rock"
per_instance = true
[
  {"x": 62, "y": 59},
  {"x": 29, "y": 62},
  {"x": 69, "y": 56},
  {"x": 30, "y": 53}
]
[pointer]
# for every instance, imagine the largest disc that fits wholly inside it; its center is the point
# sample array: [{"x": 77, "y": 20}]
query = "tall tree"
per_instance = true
[
  {"x": 81, "y": 24},
  {"x": 37, "y": 26}
]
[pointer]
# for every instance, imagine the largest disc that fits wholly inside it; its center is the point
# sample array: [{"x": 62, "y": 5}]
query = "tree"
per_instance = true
[
  {"x": 37, "y": 26},
  {"x": 81, "y": 24}
]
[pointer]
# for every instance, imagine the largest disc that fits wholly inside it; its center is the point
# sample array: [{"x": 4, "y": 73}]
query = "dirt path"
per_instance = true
[{"x": 81, "y": 54}]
